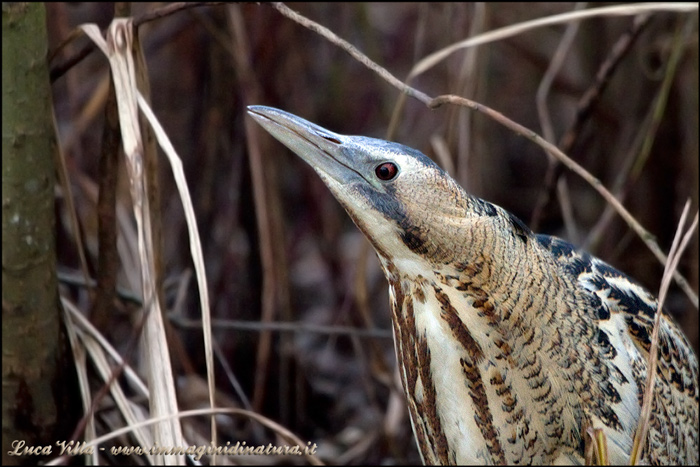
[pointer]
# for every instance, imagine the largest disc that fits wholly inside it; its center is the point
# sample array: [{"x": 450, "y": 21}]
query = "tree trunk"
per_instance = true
[{"x": 33, "y": 381}]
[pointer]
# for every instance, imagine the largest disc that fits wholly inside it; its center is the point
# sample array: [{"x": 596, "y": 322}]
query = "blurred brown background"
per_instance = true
[{"x": 279, "y": 248}]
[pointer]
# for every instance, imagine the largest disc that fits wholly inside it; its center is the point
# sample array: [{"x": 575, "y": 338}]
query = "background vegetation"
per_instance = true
[{"x": 301, "y": 312}]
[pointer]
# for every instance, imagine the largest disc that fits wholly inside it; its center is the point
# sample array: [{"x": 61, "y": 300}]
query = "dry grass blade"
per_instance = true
[
  {"x": 99, "y": 350},
  {"x": 195, "y": 243},
  {"x": 674, "y": 256},
  {"x": 596, "y": 447},
  {"x": 601, "y": 441},
  {"x": 118, "y": 49},
  {"x": 79, "y": 357},
  {"x": 82, "y": 323}
]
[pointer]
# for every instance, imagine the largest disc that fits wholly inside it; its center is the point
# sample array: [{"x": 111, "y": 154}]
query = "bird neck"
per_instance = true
[
  {"x": 505, "y": 285},
  {"x": 481, "y": 311}
]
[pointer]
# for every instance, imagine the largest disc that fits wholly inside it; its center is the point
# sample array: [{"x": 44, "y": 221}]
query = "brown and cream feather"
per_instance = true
[{"x": 509, "y": 344}]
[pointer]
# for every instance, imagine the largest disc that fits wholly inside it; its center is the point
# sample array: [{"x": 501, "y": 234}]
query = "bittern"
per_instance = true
[{"x": 510, "y": 344}]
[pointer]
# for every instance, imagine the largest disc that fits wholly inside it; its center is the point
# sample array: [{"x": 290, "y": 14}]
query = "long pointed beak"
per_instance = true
[{"x": 320, "y": 148}]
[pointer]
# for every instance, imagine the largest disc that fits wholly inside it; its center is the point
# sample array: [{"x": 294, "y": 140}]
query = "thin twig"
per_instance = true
[
  {"x": 546, "y": 121},
  {"x": 584, "y": 108},
  {"x": 646, "y": 237},
  {"x": 285, "y": 326},
  {"x": 407, "y": 90},
  {"x": 352, "y": 50},
  {"x": 513, "y": 30},
  {"x": 108, "y": 257},
  {"x": 62, "y": 68},
  {"x": 261, "y": 178},
  {"x": 674, "y": 256},
  {"x": 170, "y": 9},
  {"x": 648, "y": 132},
  {"x": 468, "y": 85},
  {"x": 552, "y": 71}
]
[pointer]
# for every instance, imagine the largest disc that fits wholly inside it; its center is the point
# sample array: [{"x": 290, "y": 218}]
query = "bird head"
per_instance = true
[{"x": 406, "y": 205}]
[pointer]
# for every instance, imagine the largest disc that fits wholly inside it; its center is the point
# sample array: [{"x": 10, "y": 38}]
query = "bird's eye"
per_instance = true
[{"x": 386, "y": 171}]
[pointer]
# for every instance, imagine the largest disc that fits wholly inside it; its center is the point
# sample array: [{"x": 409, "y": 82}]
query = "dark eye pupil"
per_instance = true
[{"x": 386, "y": 171}]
